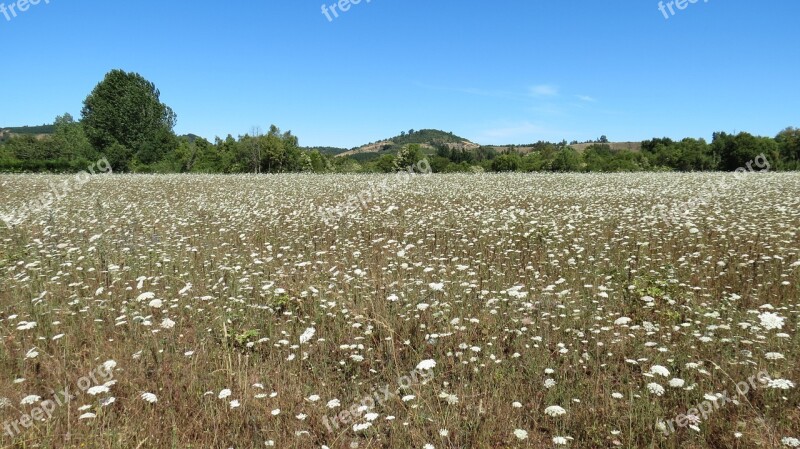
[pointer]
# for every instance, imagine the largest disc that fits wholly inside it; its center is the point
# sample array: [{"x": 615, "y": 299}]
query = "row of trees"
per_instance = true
[
  {"x": 124, "y": 121},
  {"x": 726, "y": 152}
]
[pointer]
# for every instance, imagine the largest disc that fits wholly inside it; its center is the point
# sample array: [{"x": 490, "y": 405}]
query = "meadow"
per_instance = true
[{"x": 451, "y": 311}]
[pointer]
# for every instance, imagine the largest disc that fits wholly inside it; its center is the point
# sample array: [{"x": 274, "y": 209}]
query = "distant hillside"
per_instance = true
[
  {"x": 330, "y": 151},
  {"x": 191, "y": 137},
  {"x": 428, "y": 139},
  {"x": 41, "y": 129},
  {"x": 39, "y": 132},
  {"x": 631, "y": 146}
]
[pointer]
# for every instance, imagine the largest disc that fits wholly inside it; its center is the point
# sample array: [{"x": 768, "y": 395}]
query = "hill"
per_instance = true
[
  {"x": 39, "y": 132},
  {"x": 330, "y": 151},
  {"x": 630, "y": 146},
  {"x": 35, "y": 130},
  {"x": 428, "y": 139}
]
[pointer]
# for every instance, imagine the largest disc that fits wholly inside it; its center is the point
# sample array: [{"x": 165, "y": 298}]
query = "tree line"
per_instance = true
[
  {"x": 124, "y": 121},
  {"x": 726, "y": 152}
]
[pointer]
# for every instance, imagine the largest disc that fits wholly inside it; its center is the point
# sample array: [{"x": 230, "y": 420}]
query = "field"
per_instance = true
[{"x": 438, "y": 311}]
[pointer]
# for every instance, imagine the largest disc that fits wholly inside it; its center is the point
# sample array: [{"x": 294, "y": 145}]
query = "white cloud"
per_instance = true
[
  {"x": 586, "y": 98},
  {"x": 544, "y": 90}
]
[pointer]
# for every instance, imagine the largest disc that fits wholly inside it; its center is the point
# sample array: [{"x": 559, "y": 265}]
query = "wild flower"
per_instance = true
[
  {"x": 770, "y": 321},
  {"x": 659, "y": 370},
  {"x": 426, "y": 364},
  {"x": 677, "y": 383},
  {"x": 30, "y": 399},
  {"x": 307, "y": 335},
  {"x": 97, "y": 389},
  {"x": 780, "y": 384},
  {"x": 655, "y": 389},
  {"x": 149, "y": 397},
  {"x": 167, "y": 323},
  {"x": 26, "y": 325},
  {"x": 790, "y": 442}
]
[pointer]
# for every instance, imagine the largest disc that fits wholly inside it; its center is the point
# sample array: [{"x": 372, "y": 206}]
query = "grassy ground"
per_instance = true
[{"x": 449, "y": 311}]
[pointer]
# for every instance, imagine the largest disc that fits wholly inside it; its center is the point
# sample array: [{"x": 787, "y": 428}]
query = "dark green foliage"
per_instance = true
[
  {"x": 789, "y": 148},
  {"x": 124, "y": 117},
  {"x": 329, "y": 151},
  {"x": 408, "y": 156},
  {"x": 736, "y": 151},
  {"x": 426, "y": 136},
  {"x": 386, "y": 164},
  {"x": 506, "y": 162},
  {"x": 567, "y": 160},
  {"x": 601, "y": 158},
  {"x": 32, "y": 130}
]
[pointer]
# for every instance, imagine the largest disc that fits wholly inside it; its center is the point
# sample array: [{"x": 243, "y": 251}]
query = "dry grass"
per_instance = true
[{"x": 535, "y": 273}]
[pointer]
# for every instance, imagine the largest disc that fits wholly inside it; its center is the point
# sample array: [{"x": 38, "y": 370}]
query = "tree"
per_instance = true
[
  {"x": 71, "y": 143},
  {"x": 408, "y": 156},
  {"x": 386, "y": 164},
  {"x": 567, "y": 160},
  {"x": 438, "y": 164},
  {"x": 736, "y": 151},
  {"x": 255, "y": 149},
  {"x": 789, "y": 146},
  {"x": 124, "y": 112},
  {"x": 318, "y": 162},
  {"x": 506, "y": 162},
  {"x": 532, "y": 162},
  {"x": 694, "y": 155}
]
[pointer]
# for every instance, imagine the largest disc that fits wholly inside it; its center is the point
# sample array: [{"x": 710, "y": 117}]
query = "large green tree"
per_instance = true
[{"x": 125, "y": 119}]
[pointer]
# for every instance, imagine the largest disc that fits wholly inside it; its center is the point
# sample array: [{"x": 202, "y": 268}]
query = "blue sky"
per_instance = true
[{"x": 513, "y": 71}]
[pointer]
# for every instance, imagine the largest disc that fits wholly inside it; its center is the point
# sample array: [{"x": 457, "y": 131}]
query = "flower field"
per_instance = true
[{"x": 443, "y": 311}]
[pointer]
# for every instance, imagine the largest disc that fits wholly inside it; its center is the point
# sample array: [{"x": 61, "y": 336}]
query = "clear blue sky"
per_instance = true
[{"x": 512, "y": 71}]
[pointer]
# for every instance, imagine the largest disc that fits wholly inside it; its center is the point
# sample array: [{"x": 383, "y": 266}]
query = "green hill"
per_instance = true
[
  {"x": 330, "y": 151},
  {"x": 428, "y": 139},
  {"x": 30, "y": 130}
]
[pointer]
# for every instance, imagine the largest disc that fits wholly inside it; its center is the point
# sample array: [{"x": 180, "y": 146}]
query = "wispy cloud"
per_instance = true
[
  {"x": 544, "y": 90},
  {"x": 586, "y": 98}
]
